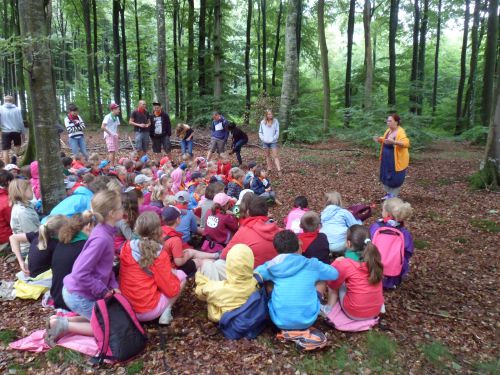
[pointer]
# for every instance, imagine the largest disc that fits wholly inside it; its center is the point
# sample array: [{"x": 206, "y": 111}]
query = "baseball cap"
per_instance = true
[
  {"x": 157, "y": 103},
  {"x": 164, "y": 161},
  {"x": 10, "y": 167},
  {"x": 242, "y": 194},
  {"x": 145, "y": 159},
  {"x": 82, "y": 171},
  {"x": 113, "y": 106},
  {"x": 252, "y": 164},
  {"x": 222, "y": 198},
  {"x": 70, "y": 181},
  {"x": 183, "y": 166},
  {"x": 182, "y": 196},
  {"x": 103, "y": 163},
  {"x": 142, "y": 178},
  {"x": 170, "y": 213}
]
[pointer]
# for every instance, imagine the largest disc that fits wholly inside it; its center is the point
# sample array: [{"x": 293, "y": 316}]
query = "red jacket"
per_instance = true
[
  {"x": 258, "y": 234},
  {"x": 5, "y": 211},
  {"x": 223, "y": 169},
  {"x": 142, "y": 288}
]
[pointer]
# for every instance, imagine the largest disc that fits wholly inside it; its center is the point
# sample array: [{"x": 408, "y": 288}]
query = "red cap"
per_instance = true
[
  {"x": 164, "y": 161},
  {"x": 113, "y": 106}
]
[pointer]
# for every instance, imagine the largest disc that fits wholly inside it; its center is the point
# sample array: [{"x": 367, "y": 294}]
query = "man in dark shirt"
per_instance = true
[
  {"x": 240, "y": 139},
  {"x": 160, "y": 131},
  {"x": 141, "y": 121}
]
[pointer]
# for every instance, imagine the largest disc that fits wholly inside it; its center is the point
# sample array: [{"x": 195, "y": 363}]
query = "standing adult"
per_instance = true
[
  {"x": 12, "y": 126},
  {"x": 75, "y": 126},
  {"x": 110, "y": 125},
  {"x": 240, "y": 138},
  {"x": 141, "y": 120},
  {"x": 160, "y": 131},
  {"x": 394, "y": 156},
  {"x": 269, "y": 133},
  {"x": 219, "y": 135}
]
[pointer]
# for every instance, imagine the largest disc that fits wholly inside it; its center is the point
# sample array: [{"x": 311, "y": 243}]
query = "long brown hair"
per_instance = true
[
  {"x": 130, "y": 203},
  {"x": 148, "y": 227},
  {"x": 359, "y": 236},
  {"x": 74, "y": 225}
]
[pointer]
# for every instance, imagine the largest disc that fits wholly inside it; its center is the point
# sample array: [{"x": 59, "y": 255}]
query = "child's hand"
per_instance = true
[
  {"x": 268, "y": 189},
  {"x": 376, "y": 138},
  {"x": 24, "y": 268}
]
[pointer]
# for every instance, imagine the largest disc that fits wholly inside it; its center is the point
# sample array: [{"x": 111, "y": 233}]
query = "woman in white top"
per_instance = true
[{"x": 269, "y": 133}]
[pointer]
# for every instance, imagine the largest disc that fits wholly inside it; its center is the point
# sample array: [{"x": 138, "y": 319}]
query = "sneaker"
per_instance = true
[
  {"x": 54, "y": 332},
  {"x": 387, "y": 196},
  {"x": 166, "y": 318},
  {"x": 324, "y": 310}
]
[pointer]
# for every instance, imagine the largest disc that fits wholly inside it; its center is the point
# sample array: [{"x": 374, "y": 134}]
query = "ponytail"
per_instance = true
[
  {"x": 148, "y": 227},
  {"x": 75, "y": 225},
  {"x": 373, "y": 261},
  {"x": 50, "y": 229}
]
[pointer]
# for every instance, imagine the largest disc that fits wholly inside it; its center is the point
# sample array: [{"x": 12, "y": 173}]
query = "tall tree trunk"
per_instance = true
[
  {"x": 107, "y": 61},
  {"x": 277, "y": 45},
  {"x": 125, "y": 59},
  {"x": 190, "y": 61},
  {"x": 324, "y": 64},
  {"x": 470, "y": 96},
  {"x": 44, "y": 105},
  {"x": 421, "y": 58},
  {"x": 201, "y": 48},
  {"x": 367, "y": 19},
  {"x": 393, "y": 29},
  {"x": 217, "y": 50},
  {"x": 463, "y": 71},
  {"x": 21, "y": 89},
  {"x": 491, "y": 165},
  {"x": 374, "y": 51},
  {"x": 176, "y": 59},
  {"x": 436, "y": 59},
  {"x": 290, "y": 85},
  {"x": 259, "y": 61},
  {"x": 90, "y": 67},
  {"x": 264, "y": 47},
  {"x": 180, "y": 81},
  {"x": 138, "y": 47},
  {"x": 247, "y": 63},
  {"x": 414, "y": 58},
  {"x": 300, "y": 10},
  {"x": 347, "y": 87},
  {"x": 96, "y": 65},
  {"x": 490, "y": 61},
  {"x": 116, "y": 51},
  {"x": 161, "y": 73}
]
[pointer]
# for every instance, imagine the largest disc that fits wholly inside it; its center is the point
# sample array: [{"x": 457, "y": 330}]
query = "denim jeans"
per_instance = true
[
  {"x": 237, "y": 149},
  {"x": 78, "y": 304},
  {"x": 187, "y": 147},
  {"x": 78, "y": 145}
]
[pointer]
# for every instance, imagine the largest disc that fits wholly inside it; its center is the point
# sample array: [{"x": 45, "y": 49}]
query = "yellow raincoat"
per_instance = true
[{"x": 227, "y": 295}]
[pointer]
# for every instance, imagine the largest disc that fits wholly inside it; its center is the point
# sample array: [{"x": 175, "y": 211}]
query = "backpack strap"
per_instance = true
[
  {"x": 128, "y": 308},
  {"x": 103, "y": 309}
]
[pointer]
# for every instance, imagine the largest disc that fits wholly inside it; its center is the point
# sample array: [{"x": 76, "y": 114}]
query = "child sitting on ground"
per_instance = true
[
  {"x": 261, "y": 186},
  {"x": 78, "y": 162},
  {"x": 230, "y": 294},
  {"x": 223, "y": 167},
  {"x": 247, "y": 181},
  {"x": 358, "y": 288},
  {"x": 220, "y": 224},
  {"x": 178, "y": 175},
  {"x": 395, "y": 213},
  {"x": 314, "y": 243},
  {"x": 292, "y": 220},
  {"x": 5, "y": 209},
  {"x": 147, "y": 279},
  {"x": 294, "y": 304},
  {"x": 235, "y": 185}
]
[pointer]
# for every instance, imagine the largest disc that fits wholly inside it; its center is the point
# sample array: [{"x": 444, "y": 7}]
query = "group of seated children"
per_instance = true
[{"x": 152, "y": 217}]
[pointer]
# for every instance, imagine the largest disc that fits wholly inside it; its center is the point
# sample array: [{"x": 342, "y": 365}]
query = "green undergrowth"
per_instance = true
[
  {"x": 485, "y": 225},
  {"x": 7, "y": 336}
]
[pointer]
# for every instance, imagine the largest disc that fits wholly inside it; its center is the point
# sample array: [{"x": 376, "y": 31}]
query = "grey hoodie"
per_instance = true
[{"x": 11, "y": 120}]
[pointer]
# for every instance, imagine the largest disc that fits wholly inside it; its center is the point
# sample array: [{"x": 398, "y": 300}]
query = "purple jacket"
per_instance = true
[
  {"x": 394, "y": 281},
  {"x": 92, "y": 275}
]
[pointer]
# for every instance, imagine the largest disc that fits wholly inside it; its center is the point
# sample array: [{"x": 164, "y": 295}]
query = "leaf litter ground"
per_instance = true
[{"x": 444, "y": 318}]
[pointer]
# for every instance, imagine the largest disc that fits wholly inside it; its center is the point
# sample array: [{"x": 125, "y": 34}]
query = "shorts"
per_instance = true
[
  {"x": 8, "y": 138},
  {"x": 159, "y": 142},
  {"x": 217, "y": 145},
  {"x": 142, "y": 141},
  {"x": 189, "y": 268},
  {"x": 270, "y": 145},
  {"x": 78, "y": 304},
  {"x": 112, "y": 143}
]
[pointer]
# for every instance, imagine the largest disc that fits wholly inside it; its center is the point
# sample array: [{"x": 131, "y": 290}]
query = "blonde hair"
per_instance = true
[
  {"x": 148, "y": 227},
  {"x": 74, "y": 225},
  {"x": 237, "y": 173},
  {"x": 398, "y": 209},
  {"x": 158, "y": 191},
  {"x": 114, "y": 185},
  {"x": 94, "y": 159},
  {"x": 333, "y": 197},
  {"x": 50, "y": 229},
  {"x": 103, "y": 203},
  {"x": 17, "y": 191},
  {"x": 181, "y": 129},
  {"x": 169, "y": 200},
  {"x": 211, "y": 166},
  {"x": 224, "y": 156}
]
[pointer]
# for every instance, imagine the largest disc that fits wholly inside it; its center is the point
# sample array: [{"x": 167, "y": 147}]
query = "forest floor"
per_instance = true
[{"x": 445, "y": 318}]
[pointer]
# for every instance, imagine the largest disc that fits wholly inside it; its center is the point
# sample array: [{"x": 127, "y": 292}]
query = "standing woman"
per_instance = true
[
  {"x": 394, "y": 156},
  {"x": 269, "y": 134}
]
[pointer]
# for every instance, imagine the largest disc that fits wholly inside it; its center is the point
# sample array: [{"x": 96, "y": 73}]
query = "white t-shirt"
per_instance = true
[
  {"x": 111, "y": 125},
  {"x": 158, "y": 124}
]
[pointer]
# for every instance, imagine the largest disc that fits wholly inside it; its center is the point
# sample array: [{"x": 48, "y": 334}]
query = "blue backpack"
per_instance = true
[{"x": 248, "y": 320}]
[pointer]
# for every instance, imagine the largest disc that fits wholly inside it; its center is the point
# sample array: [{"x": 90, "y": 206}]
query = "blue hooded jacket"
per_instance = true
[
  {"x": 76, "y": 203},
  {"x": 335, "y": 221},
  {"x": 294, "y": 302}
]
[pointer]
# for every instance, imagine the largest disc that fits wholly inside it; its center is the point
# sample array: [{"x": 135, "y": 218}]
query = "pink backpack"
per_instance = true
[
  {"x": 390, "y": 243},
  {"x": 293, "y": 220},
  {"x": 118, "y": 333}
]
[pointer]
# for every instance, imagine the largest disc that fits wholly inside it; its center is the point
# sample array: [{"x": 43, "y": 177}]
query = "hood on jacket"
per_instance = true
[
  {"x": 239, "y": 265},
  {"x": 83, "y": 190},
  {"x": 262, "y": 226},
  {"x": 329, "y": 212},
  {"x": 136, "y": 251},
  {"x": 34, "y": 170},
  {"x": 9, "y": 106},
  {"x": 286, "y": 265}
]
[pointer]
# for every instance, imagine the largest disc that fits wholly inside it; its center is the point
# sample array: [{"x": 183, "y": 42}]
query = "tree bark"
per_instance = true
[
  {"x": 300, "y": 9},
  {"x": 393, "y": 28},
  {"x": 324, "y": 64},
  {"x": 201, "y": 49},
  {"x": 247, "y": 63},
  {"x": 44, "y": 105},
  {"x": 161, "y": 87},
  {"x": 436, "y": 59},
  {"x": 138, "y": 46},
  {"x": 86, "y": 6},
  {"x": 96, "y": 65},
  {"x": 367, "y": 18},
  {"x": 277, "y": 45},
  {"x": 175, "y": 27},
  {"x": 217, "y": 50},
  {"x": 125, "y": 59},
  {"x": 116, "y": 51},
  {"x": 264, "y": 47},
  {"x": 463, "y": 71},
  {"x": 490, "y": 61},
  {"x": 492, "y": 154},
  {"x": 21, "y": 89},
  {"x": 259, "y": 61},
  {"x": 414, "y": 59},
  {"x": 421, "y": 58},
  {"x": 290, "y": 84},
  {"x": 190, "y": 61},
  {"x": 347, "y": 87}
]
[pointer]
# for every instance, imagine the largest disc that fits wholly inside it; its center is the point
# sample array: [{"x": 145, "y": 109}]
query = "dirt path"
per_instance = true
[{"x": 444, "y": 318}]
